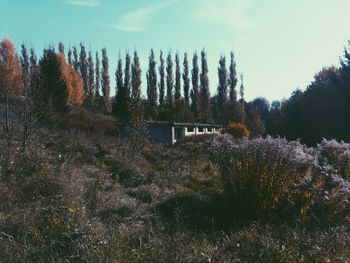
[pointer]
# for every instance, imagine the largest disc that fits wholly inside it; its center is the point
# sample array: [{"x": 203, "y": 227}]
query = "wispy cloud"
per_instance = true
[
  {"x": 230, "y": 13},
  {"x": 90, "y": 3},
  {"x": 137, "y": 20}
]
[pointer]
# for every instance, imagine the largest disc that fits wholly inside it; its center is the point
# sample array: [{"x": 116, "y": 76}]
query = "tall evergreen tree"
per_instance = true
[
  {"x": 34, "y": 77},
  {"x": 83, "y": 67},
  {"x": 152, "y": 95},
  {"x": 70, "y": 57},
  {"x": 177, "y": 88},
  {"x": 28, "y": 113},
  {"x": 162, "y": 80},
  {"x": 98, "y": 77},
  {"x": 222, "y": 90},
  {"x": 61, "y": 48},
  {"x": 241, "y": 93},
  {"x": 136, "y": 90},
  {"x": 127, "y": 74},
  {"x": 195, "y": 93},
  {"x": 186, "y": 80},
  {"x": 232, "y": 79},
  {"x": 25, "y": 68},
  {"x": 121, "y": 102},
  {"x": 204, "y": 89},
  {"x": 76, "y": 59},
  {"x": 91, "y": 80},
  {"x": 170, "y": 86},
  {"x": 105, "y": 81},
  {"x": 53, "y": 89},
  {"x": 169, "y": 81}
]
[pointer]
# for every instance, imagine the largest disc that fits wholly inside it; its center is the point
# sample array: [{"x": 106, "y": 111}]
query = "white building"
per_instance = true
[{"x": 165, "y": 132}]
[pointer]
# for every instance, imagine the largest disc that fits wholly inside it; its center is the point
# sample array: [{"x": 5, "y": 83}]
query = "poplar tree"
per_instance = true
[
  {"x": 152, "y": 95},
  {"x": 232, "y": 79},
  {"x": 70, "y": 57},
  {"x": 186, "y": 80},
  {"x": 177, "y": 88},
  {"x": 242, "y": 108},
  {"x": 83, "y": 67},
  {"x": 28, "y": 115},
  {"x": 162, "y": 80},
  {"x": 105, "y": 81},
  {"x": 34, "y": 78},
  {"x": 204, "y": 88},
  {"x": 98, "y": 77},
  {"x": 61, "y": 48},
  {"x": 136, "y": 90},
  {"x": 195, "y": 94},
  {"x": 76, "y": 60},
  {"x": 127, "y": 72},
  {"x": 121, "y": 102},
  {"x": 222, "y": 90},
  {"x": 25, "y": 67},
  {"x": 91, "y": 79},
  {"x": 170, "y": 85}
]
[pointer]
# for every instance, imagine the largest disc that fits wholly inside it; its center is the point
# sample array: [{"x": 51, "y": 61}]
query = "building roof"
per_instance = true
[{"x": 184, "y": 124}]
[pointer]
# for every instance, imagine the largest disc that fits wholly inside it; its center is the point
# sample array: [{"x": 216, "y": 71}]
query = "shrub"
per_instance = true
[
  {"x": 80, "y": 118},
  {"x": 265, "y": 177},
  {"x": 257, "y": 174},
  {"x": 237, "y": 130},
  {"x": 336, "y": 154}
]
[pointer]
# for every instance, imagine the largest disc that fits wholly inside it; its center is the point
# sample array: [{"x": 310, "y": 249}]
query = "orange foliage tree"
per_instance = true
[{"x": 73, "y": 81}]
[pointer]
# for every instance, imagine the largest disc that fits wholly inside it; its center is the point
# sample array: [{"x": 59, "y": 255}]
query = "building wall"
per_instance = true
[{"x": 161, "y": 134}]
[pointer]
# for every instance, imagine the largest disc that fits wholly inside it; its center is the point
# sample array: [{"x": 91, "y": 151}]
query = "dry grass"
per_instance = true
[{"x": 77, "y": 197}]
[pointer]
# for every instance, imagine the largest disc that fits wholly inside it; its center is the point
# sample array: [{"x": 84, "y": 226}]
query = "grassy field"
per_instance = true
[{"x": 79, "y": 196}]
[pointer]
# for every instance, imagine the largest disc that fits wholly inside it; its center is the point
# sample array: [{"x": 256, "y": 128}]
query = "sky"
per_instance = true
[{"x": 279, "y": 45}]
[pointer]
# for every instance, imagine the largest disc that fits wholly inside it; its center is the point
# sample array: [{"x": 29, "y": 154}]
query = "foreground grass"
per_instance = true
[{"x": 84, "y": 197}]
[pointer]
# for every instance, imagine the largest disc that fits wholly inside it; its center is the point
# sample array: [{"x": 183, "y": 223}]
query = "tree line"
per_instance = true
[{"x": 176, "y": 91}]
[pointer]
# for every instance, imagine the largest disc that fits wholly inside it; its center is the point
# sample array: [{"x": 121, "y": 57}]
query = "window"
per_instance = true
[
  {"x": 209, "y": 129},
  {"x": 190, "y": 129},
  {"x": 200, "y": 129}
]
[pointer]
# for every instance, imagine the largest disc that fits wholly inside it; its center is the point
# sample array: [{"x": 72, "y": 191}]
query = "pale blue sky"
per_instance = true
[{"x": 279, "y": 45}]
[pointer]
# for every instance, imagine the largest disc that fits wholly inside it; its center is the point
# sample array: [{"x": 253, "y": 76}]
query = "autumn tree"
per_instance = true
[
  {"x": 105, "y": 81},
  {"x": 204, "y": 89},
  {"x": 186, "y": 80},
  {"x": 195, "y": 93},
  {"x": 11, "y": 87},
  {"x": 73, "y": 82},
  {"x": 152, "y": 95}
]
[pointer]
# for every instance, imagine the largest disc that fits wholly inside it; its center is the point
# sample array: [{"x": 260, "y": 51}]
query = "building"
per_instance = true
[{"x": 165, "y": 132}]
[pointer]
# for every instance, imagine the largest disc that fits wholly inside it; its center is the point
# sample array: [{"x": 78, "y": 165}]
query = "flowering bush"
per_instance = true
[
  {"x": 336, "y": 154},
  {"x": 269, "y": 176}
]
